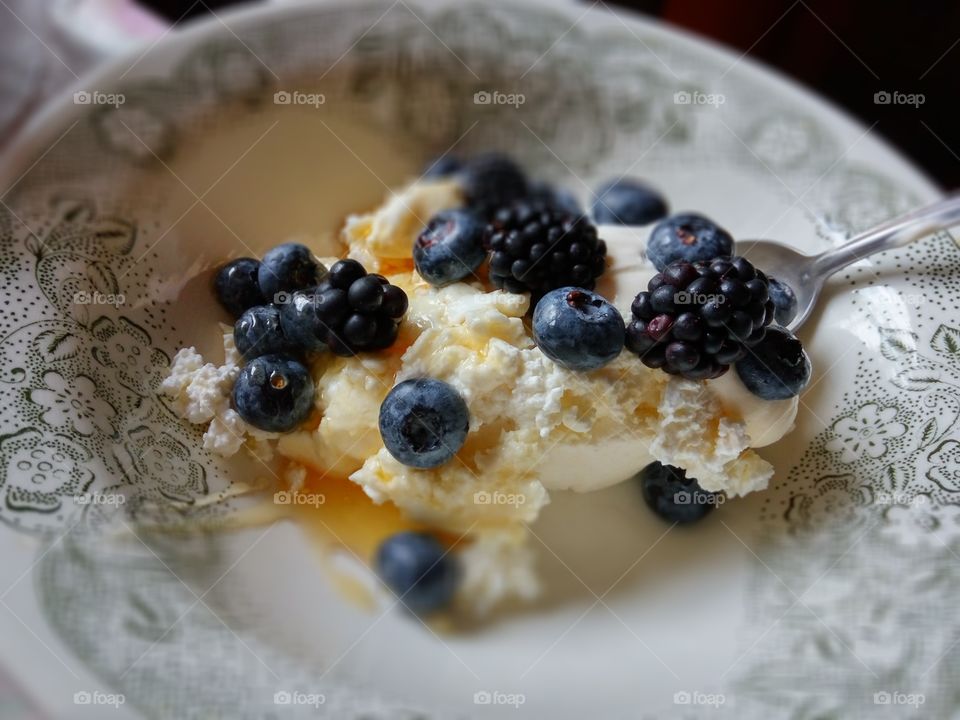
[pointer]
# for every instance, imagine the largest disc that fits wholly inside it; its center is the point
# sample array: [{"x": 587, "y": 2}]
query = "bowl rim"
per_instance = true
[{"x": 57, "y": 112}]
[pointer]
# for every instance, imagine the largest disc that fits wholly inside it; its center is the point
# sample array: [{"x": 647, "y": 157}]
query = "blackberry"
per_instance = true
[
  {"x": 696, "y": 319},
  {"x": 349, "y": 311},
  {"x": 538, "y": 246}
]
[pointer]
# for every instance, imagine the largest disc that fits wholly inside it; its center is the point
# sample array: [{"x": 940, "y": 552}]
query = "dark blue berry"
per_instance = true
[
  {"x": 628, "y": 202},
  {"x": 687, "y": 237},
  {"x": 306, "y": 314},
  {"x": 491, "y": 180},
  {"x": 236, "y": 286},
  {"x": 577, "y": 328},
  {"x": 777, "y": 367},
  {"x": 450, "y": 248},
  {"x": 673, "y": 496},
  {"x": 259, "y": 332},
  {"x": 784, "y": 301},
  {"x": 273, "y": 393},
  {"x": 423, "y": 422},
  {"x": 286, "y": 268},
  {"x": 415, "y": 566},
  {"x": 443, "y": 166}
]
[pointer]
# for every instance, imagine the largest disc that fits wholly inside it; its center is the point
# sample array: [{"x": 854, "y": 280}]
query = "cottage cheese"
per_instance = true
[{"x": 534, "y": 426}]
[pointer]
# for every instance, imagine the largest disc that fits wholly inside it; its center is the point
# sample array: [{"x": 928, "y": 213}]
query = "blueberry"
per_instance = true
[
  {"x": 556, "y": 197},
  {"x": 273, "y": 393},
  {"x": 777, "y": 367},
  {"x": 450, "y": 248},
  {"x": 628, "y": 202},
  {"x": 423, "y": 422},
  {"x": 305, "y": 315},
  {"x": 441, "y": 167},
  {"x": 286, "y": 268},
  {"x": 784, "y": 301},
  {"x": 418, "y": 570},
  {"x": 491, "y": 180},
  {"x": 259, "y": 332},
  {"x": 236, "y": 286},
  {"x": 687, "y": 237},
  {"x": 578, "y": 329},
  {"x": 672, "y": 495}
]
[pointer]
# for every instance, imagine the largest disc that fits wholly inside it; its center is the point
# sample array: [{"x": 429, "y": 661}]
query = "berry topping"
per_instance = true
[
  {"x": 273, "y": 393},
  {"x": 673, "y": 496},
  {"x": 442, "y": 167},
  {"x": 258, "y": 332},
  {"x": 687, "y": 237},
  {"x": 695, "y": 319},
  {"x": 236, "y": 286},
  {"x": 492, "y": 180},
  {"x": 288, "y": 267},
  {"x": 450, "y": 248},
  {"x": 349, "y": 312},
  {"x": 777, "y": 367},
  {"x": 628, "y": 202},
  {"x": 577, "y": 328},
  {"x": 784, "y": 301},
  {"x": 415, "y": 566},
  {"x": 536, "y": 247},
  {"x": 423, "y": 422}
]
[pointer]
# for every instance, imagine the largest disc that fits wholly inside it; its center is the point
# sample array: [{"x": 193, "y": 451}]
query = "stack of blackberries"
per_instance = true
[{"x": 696, "y": 319}]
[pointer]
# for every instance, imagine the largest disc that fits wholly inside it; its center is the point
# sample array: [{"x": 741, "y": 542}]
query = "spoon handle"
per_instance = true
[{"x": 894, "y": 233}]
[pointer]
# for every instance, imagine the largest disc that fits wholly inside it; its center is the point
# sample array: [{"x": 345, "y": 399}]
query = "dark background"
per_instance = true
[{"x": 846, "y": 50}]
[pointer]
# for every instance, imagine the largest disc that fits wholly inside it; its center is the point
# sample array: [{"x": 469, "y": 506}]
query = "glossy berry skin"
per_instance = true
[
  {"x": 536, "y": 246},
  {"x": 696, "y": 319},
  {"x": 417, "y": 568},
  {"x": 288, "y": 267},
  {"x": 423, "y": 422},
  {"x": 673, "y": 496},
  {"x": 777, "y": 367},
  {"x": 578, "y": 329},
  {"x": 350, "y": 311},
  {"x": 273, "y": 393},
  {"x": 687, "y": 236},
  {"x": 259, "y": 332},
  {"x": 450, "y": 248},
  {"x": 628, "y": 202},
  {"x": 236, "y": 286},
  {"x": 784, "y": 302},
  {"x": 491, "y": 180}
]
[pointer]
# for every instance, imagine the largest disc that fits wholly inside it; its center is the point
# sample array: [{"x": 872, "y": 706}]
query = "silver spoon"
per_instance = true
[{"x": 806, "y": 274}]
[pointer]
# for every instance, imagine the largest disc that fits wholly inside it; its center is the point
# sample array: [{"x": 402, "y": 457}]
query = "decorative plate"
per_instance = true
[{"x": 830, "y": 595}]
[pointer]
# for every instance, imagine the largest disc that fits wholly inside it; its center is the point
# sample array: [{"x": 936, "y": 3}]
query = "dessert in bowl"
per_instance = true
[{"x": 469, "y": 354}]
